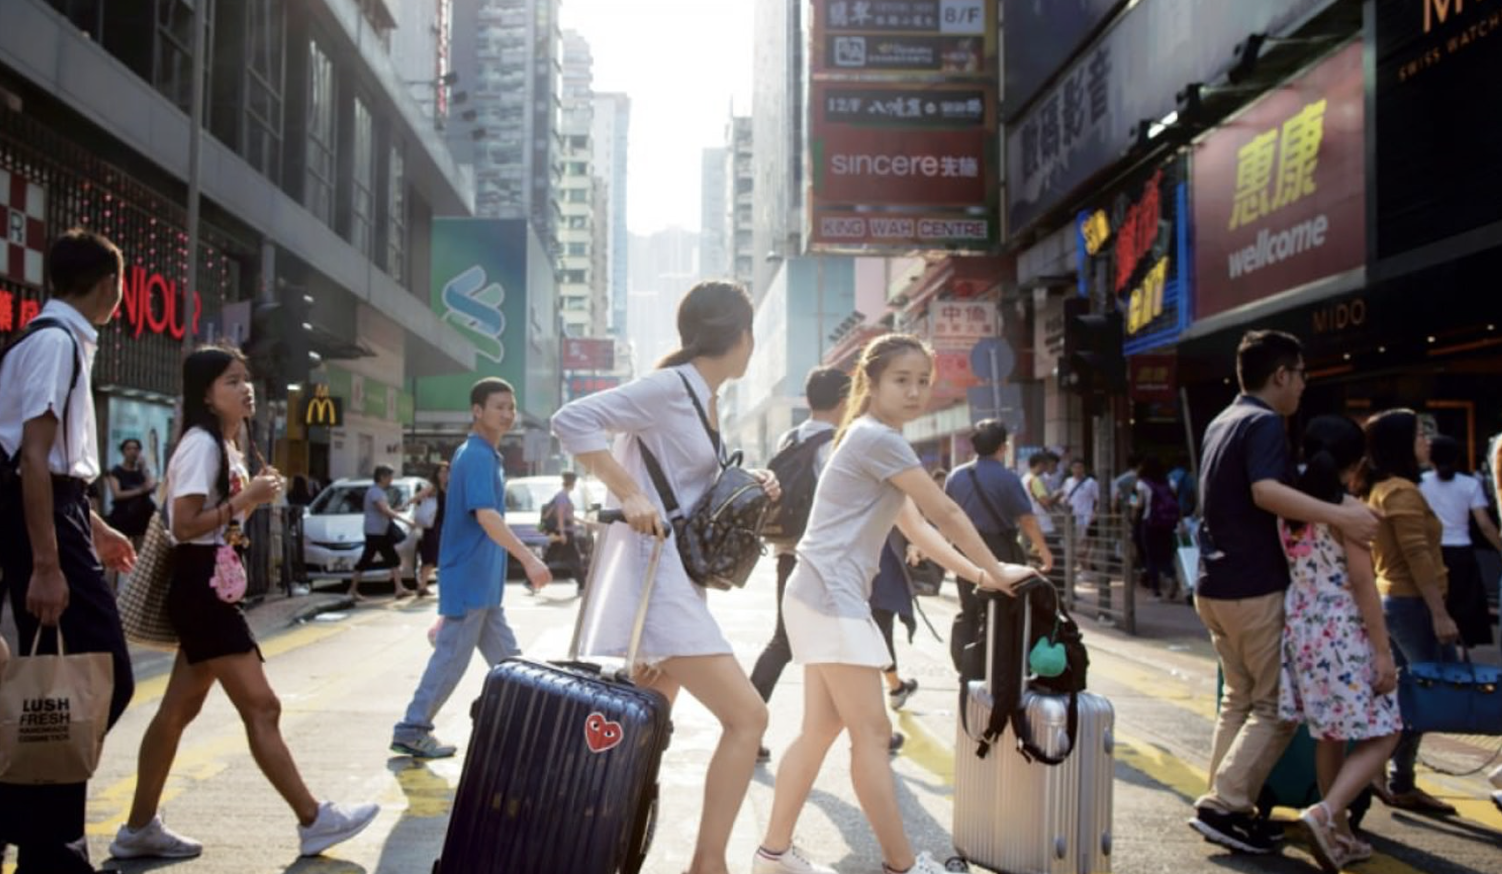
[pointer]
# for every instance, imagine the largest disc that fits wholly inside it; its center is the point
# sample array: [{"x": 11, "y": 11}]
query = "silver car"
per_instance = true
[{"x": 334, "y": 527}]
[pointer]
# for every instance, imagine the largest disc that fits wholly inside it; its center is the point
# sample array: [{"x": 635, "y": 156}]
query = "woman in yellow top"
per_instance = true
[{"x": 1411, "y": 574}]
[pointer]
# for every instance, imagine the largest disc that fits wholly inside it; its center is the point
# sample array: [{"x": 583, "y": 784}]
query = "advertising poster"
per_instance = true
[
  {"x": 150, "y": 423},
  {"x": 903, "y": 148},
  {"x": 479, "y": 279},
  {"x": 1280, "y": 190}
]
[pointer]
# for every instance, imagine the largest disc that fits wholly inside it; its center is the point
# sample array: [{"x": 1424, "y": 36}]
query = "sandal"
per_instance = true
[
  {"x": 1324, "y": 838},
  {"x": 1355, "y": 849}
]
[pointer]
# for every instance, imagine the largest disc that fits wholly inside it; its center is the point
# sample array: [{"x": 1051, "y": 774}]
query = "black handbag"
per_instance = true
[
  {"x": 396, "y": 532},
  {"x": 720, "y": 539}
]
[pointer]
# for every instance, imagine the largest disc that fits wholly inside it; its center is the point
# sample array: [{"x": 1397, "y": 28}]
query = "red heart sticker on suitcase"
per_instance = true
[{"x": 601, "y": 734}]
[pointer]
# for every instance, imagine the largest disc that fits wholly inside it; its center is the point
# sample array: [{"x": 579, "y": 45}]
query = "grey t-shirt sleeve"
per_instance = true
[{"x": 886, "y": 454}]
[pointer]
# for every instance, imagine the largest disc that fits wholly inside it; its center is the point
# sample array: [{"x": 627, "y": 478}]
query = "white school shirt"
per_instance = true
[
  {"x": 34, "y": 379},
  {"x": 194, "y": 470},
  {"x": 1452, "y": 502},
  {"x": 654, "y": 410},
  {"x": 1082, "y": 498}
]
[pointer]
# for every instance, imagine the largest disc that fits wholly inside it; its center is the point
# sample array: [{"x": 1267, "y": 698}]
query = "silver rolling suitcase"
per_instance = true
[{"x": 1019, "y": 815}]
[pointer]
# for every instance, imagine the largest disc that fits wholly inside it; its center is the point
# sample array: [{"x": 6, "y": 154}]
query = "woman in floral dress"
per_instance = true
[{"x": 1338, "y": 671}]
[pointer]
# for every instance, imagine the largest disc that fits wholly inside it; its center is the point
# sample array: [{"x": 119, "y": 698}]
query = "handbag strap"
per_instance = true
[
  {"x": 714, "y": 436},
  {"x": 986, "y": 499}
]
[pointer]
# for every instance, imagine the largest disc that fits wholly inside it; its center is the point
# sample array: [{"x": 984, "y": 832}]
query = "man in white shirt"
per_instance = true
[
  {"x": 56, "y": 547},
  {"x": 1082, "y": 493}
]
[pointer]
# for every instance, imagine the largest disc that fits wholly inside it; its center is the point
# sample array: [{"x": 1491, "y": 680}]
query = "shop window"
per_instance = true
[
  {"x": 319, "y": 190},
  {"x": 362, "y": 178}
]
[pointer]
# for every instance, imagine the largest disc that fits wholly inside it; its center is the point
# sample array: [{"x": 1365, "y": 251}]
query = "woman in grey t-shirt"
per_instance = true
[{"x": 873, "y": 480}]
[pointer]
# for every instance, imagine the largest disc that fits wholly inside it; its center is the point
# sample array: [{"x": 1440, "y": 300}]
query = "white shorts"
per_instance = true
[{"x": 817, "y": 639}]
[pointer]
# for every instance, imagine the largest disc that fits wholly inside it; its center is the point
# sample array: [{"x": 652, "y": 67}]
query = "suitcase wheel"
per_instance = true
[{"x": 956, "y": 863}]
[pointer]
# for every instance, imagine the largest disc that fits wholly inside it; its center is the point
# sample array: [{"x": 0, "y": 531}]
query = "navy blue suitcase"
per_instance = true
[{"x": 561, "y": 772}]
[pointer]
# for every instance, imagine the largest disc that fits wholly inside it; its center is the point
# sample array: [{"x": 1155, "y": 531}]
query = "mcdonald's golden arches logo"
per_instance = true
[{"x": 322, "y": 410}]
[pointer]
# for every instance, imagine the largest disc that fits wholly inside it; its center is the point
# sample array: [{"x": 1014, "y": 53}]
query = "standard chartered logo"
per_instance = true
[{"x": 472, "y": 305}]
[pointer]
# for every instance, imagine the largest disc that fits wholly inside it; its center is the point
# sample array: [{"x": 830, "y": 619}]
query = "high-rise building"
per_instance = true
[
  {"x": 663, "y": 267},
  {"x": 777, "y": 125},
  {"x": 508, "y": 57},
  {"x": 612, "y": 128},
  {"x": 714, "y": 213},
  {"x": 576, "y": 195},
  {"x": 740, "y": 240}
]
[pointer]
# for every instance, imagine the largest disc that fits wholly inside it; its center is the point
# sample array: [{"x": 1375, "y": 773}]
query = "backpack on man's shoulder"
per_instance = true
[{"x": 794, "y": 464}]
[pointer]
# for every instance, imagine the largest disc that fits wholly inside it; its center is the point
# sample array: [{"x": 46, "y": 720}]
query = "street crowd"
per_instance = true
[{"x": 1325, "y": 571}]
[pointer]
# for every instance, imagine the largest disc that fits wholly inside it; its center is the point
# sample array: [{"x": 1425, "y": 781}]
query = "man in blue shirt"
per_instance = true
[
  {"x": 1244, "y": 484},
  {"x": 471, "y": 570}
]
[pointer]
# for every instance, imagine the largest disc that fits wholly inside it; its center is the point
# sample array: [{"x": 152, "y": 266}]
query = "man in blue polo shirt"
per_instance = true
[
  {"x": 1244, "y": 486},
  {"x": 471, "y": 570}
]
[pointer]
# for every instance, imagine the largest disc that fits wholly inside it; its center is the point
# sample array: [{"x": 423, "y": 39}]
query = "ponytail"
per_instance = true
[
  {"x": 1444, "y": 454},
  {"x": 712, "y": 318},
  {"x": 1332, "y": 445}
]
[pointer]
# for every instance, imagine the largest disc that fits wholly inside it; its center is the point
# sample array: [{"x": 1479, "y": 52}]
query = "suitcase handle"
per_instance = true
[{"x": 604, "y": 519}]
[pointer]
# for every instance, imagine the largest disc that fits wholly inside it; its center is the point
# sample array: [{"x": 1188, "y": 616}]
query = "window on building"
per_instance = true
[
  {"x": 263, "y": 87},
  {"x": 362, "y": 178},
  {"x": 396, "y": 218},
  {"x": 578, "y": 168},
  {"x": 578, "y": 195},
  {"x": 172, "y": 65},
  {"x": 578, "y": 249},
  {"x": 575, "y": 304},
  {"x": 319, "y": 191}
]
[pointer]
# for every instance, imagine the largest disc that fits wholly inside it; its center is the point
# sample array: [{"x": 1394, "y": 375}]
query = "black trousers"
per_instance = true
[
  {"x": 777, "y": 654},
  {"x": 46, "y": 823}
]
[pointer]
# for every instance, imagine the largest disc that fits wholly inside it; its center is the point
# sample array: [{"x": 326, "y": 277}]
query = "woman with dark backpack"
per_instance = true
[{"x": 1159, "y": 511}]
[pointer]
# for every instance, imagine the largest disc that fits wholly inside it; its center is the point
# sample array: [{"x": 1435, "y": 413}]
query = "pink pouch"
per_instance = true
[{"x": 228, "y": 581}]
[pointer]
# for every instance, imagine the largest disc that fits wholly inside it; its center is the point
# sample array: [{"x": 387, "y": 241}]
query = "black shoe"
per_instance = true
[
  {"x": 904, "y": 691},
  {"x": 1269, "y": 829},
  {"x": 763, "y": 755},
  {"x": 895, "y": 744},
  {"x": 1234, "y": 831}
]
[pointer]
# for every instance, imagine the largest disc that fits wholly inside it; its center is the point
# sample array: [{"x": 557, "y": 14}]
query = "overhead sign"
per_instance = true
[
  {"x": 323, "y": 411},
  {"x": 1081, "y": 124},
  {"x": 1280, "y": 191},
  {"x": 588, "y": 354},
  {"x": 1438, "y": 69},
  {"x": 902, "y": 126},
  {"x": 1135, "y": 246},
  {"x": 580, "y": 385},
  {"x": 1038, "y": 38}
]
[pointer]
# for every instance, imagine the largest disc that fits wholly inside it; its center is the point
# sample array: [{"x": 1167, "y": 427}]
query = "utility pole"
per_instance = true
[{"x": 195, "y": 137}]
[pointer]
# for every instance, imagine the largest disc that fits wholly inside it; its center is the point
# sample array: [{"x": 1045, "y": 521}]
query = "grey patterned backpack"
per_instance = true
[{"x": 720, "y": 539}]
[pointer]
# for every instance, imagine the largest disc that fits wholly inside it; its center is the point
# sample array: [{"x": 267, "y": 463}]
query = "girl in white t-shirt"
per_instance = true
[
  {"x": 1458, "y": 499},
  {"x": 210, "y": 493},
  {"x": 872, "y": 481}
]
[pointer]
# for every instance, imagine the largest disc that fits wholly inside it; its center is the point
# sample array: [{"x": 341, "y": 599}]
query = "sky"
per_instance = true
[{"x": 682, "y": 62}]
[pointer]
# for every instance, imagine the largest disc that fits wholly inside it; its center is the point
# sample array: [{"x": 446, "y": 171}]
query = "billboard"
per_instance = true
[
  {"x": 479, "y": 288},
  {"x": 1439, "y": 63},
  {"x": 1135, "y": 249},
  {"x": 580, "y": 353},
  {"x": 954, "y": 327},
  {"x": 1082, "y": 123},
  {"x": 902, "y": 126},
  {"x": 1280, "y": 190}
]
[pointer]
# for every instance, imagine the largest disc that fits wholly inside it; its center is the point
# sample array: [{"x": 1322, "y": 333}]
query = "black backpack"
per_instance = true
[
  {"x": 547, "y": 520},
  {"x": 794, "y": 465},
  {"x": 10, "y": 466}
]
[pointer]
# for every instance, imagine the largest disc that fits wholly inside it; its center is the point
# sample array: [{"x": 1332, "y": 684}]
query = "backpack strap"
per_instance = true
[
  {"x": 36, "y": 325},
  {"x": 714, "y": 437}
]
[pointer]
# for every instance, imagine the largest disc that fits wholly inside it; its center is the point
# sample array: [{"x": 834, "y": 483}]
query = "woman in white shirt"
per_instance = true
[
  {"x": 210, "y": 493},
  {"x": 872, "y": 481},
  {"x": 682, "y": 646},
  {"x": 1457, "y": 498}
]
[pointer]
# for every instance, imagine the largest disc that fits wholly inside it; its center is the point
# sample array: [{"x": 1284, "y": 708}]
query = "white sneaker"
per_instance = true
[
  {"x": 153, "y": 841},
  {"x": 791, "y": 861},
  {"x": 335, "y": 824},
  {"x": 925, "y": 864}
]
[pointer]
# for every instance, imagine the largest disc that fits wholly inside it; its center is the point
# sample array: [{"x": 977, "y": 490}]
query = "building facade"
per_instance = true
[
  {"x": 714, "y": 213},
  {"x": 611, "y": 138},
  {"x": 576, "y": 195},
  {"x": 740, "y": 238},
  {"x": 320, "y": 180}
]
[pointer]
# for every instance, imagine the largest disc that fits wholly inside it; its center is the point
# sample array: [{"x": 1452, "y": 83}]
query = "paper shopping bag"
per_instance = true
[{"x": 54, "y": 710}]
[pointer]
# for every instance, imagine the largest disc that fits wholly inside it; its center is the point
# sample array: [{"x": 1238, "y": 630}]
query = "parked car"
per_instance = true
[
  {"x": 525, "y": 498},
  {"x": 334, "y": 528}
]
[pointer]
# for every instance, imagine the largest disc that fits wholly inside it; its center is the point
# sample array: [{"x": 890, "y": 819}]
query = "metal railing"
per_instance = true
[{"x": 1096, "y": 569}]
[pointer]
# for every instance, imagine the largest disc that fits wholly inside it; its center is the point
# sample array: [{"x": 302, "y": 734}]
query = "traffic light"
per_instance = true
[
  {"x": 264, "y": 347},
  {"x": 1092, "y": 361},
  {"x": 279, "y": 350}
]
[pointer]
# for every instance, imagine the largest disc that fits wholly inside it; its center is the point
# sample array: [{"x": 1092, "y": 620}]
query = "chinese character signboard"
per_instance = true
[
  {"x": 479, "y": 281},
  {"x": 1136, "y": 247},
  {"x": 954, "y": 326},
  {"x": 1082, "y": 123},
  {"x": 1280, "y": 191},
  {"x": 1437, "y": 171},
  {"x": 1037, "y": 38},
  {"x": 903, "y": 151},
  {"x": 580, "y": 385},
  {"x": 586, "y": 354}
]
